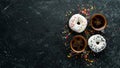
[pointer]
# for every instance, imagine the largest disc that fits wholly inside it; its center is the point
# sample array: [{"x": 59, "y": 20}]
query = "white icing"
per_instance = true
[
  {"x": 78, "y": 27},
  {"x": 94, "y": 46}
]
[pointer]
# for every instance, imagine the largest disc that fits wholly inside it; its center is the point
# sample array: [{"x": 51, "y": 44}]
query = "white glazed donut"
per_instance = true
[
  {"x": 97, "y": 43},
  {"x": 78, "y": 23}
]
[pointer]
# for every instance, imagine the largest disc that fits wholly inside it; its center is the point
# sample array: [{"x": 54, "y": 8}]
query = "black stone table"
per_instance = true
[{"x": 30, "y": 34}]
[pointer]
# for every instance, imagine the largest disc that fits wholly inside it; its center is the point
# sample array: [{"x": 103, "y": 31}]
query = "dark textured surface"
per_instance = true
[{"x": 30, "y": 34}]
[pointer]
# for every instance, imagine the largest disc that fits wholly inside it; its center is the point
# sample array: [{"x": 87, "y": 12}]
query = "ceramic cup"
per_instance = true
[
  {"x": 78, "y": 44},
  {"x": 98, "y": 22}
]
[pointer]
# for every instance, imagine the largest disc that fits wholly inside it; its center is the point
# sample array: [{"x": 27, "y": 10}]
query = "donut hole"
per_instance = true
[
  {"x": 78, "y": 23},
  {"x": 97, "y": 43}
]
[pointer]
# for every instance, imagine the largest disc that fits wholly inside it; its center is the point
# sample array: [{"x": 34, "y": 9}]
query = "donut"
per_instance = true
[
  {"x": 97, "y": 43},
  {"x": 78, "y": 23}
]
